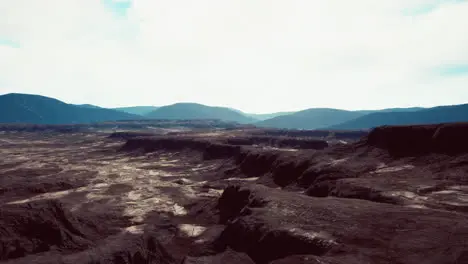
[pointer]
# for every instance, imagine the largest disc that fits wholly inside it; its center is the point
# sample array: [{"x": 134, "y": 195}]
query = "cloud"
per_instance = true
[
  {"x": 260, "y": 56},
  {"x": 453, "y": 70},
  {"x": 119, "y": 7},
  {"x": 424, "y": 7},
  {"x": 8, "y": 43}
]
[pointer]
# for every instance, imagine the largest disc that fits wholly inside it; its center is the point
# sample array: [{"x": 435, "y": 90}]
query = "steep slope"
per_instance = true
[
  {"x": 198, "y": 111},
  {"x": 435, "y": 115},
  {"x": 311, "y": 118},
  {"x": 137, "y": 110},
  {"x": 36, "y": 109}
]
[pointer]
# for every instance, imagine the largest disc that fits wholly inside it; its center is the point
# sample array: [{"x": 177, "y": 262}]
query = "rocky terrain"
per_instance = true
[
  {"x": 234, "y": 195},
  {"x": 149, "y": 126}
]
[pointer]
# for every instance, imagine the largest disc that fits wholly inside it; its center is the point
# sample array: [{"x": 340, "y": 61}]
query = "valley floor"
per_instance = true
[{"x": 87, "y": 198}]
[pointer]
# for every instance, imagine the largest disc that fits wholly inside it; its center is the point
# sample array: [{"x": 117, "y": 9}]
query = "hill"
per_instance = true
[
  {"x": 137, "y": 110},
  {"x": 261, "y": 117},
  {"x": 315, "y": 118},
  {"x": 36, "y": 109},
  {"x": 311, "y": 118},
  {"x": 435, "y": 115},
  {"x": 409, "y": 109},
  {"x": 88, "y": 106},
  {"x": 181, "y": 111}
]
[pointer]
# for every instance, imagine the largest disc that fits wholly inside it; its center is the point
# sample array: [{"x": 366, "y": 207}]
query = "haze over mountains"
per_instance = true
[{"x": 26, "y": 108}]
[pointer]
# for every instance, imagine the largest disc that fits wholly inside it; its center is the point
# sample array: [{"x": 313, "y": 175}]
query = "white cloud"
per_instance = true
[{"x": 259, "y": 56}]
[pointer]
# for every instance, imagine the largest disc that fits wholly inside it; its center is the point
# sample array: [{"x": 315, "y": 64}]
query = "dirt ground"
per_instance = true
[{"x": 87, "y": 198}]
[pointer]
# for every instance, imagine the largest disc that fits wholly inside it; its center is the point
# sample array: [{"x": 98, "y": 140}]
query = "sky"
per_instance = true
[{"x": 258, "y": 56}]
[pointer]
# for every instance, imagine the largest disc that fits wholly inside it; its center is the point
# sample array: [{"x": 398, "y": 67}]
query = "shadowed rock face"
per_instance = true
[
  {"x": 39, "y": 226},
  {"x": 209, "y": 150},
  {"x": 420, "y": 140},
  {"x": 227, "y": 256},
  {"x": 128, "y": 135},
  {"x": 281, "y": 142},
  {"x": 46, "y": 226},
  {"x": 227, "y": 148},
  {"x": 285, "y": 224},
  {"x": 338, "y": 134},
  {"x": 256, "y": 163}
]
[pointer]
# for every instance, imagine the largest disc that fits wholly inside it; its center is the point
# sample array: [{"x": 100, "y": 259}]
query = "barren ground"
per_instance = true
[{"x": 87, "y": 198}]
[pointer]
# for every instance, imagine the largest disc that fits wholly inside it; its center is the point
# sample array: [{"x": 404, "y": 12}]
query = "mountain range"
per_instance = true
[
  {"x": 37, "y": 109},
  {"x": 25, "y": 108},
  {"x": 434, "y": 115},
  {"x": 329, "y": 118},
  {"x": 137, "y": 110},
  {"x": 261, "y": 117},
  {"x": 198, "y": 111},
  {"x": 310, "y": 119}
]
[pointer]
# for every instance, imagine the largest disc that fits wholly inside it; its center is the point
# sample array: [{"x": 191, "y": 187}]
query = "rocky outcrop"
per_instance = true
[
  {"x": 338, "y": 134},
  {"x": 45, "y": 232},
  {"x": 210, "y": 150},
  {"x": 128, "y": 135},
  {"x": 230, "y": 147},
  {"x": 40, "y": 226},
  {"x": 270, "y": 224},
  {"x": 280, "y": 142},
  {"x": 420, "y": 140},
  {"x": 225, "y": 257}
]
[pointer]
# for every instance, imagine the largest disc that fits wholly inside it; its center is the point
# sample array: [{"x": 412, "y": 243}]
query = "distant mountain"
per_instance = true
[
  {"x": 36, "y": 109},
  {"x": 137, "y": 110},
  {"x": 435, "y": 115},
  {"x": 315, "y": 118},
  {"x": 409, "y": 109},
  {"x": 183, "y": 111},
  {"x": 88, "y": 106},
  {"x": 26, "y": 108},
  {"x": 261, "y": 117},
  {"x": 311, "y": 118}
]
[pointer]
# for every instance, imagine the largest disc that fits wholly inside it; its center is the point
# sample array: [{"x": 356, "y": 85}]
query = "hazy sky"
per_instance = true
[{"x": 254, "y": 55}]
